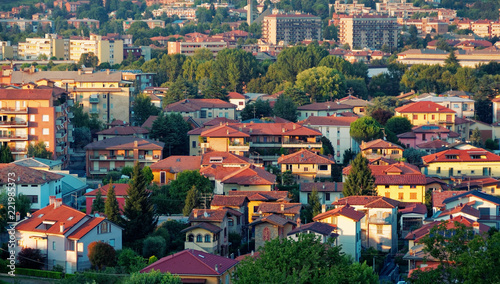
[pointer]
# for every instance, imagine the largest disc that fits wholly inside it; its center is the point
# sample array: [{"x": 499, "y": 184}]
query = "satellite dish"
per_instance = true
[{"x": 205, "y": 214}]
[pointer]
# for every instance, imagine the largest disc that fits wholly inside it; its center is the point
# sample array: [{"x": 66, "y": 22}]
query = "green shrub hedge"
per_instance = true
[{"x": 39, "y": 273}]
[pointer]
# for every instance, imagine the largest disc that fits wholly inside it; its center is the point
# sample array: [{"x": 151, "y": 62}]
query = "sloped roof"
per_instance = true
[
  {"x": 322, "y": 186},
  {"x": 37, "y": 163},
  {"x": 227, "y": 158},
  {"x": 415, "y": 208},
  {"x": 25, "y": 94},
  {"x": 275, "y": 207},
  {"x": 305, "y": 156},
  {"x": 326, "y": 106},
  {"x": 329, "y": 120},
  {"x": 123, "y": 130},
  {"x": 421, "y": 232},
  {"x": 260, "y": 129},
  {"x": 434, "y": 144},
  {"x": 120, "y": 190},
  {"x": 250, "y": 175},
  {"x": 203, "y": 225},
  {"x": 345, "y": 211},
  {"x": 125, "y": 143},
  {"x": 235, "y": 95},
  {"x": 430, "y": 128},
  {"x": 316, "y": 227},
  {"x": 177, "y": 164},
  {"x": 368, "y": 201},
  {"x": 63, "y": 214},
  {"x": 211, "y": 215},
  {"x": 192, "y": 262},
  {"x": 266, "y": 195},
  {"x": 273, "y": 219},
  {"x": 423, "y": 107},
  {"x": 218, "y": 121},
  {"x": 476, "y": 193},
  {"x": 149, "y": 122},
  {"x": 25, "y": 175},
  {"x": 191, "y": 105},
  {"x": 223, "y": 131},
  {"x": 21, "y": 77},
  {"x": 463, "y": 208},
  {"x": 85, "y": 228},
  {"x": 379, "y": 144},
  {"x": 354, "y": 101},
  {"x": 462, "y": 156},
  {"x": 439, "y": 196},
  {"x": 226, "y": 200}
]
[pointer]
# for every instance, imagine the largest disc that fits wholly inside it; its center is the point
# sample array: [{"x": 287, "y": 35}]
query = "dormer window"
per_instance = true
[
  {"x": 452, "y": 157},
  {"x": 45, "y": 225}
]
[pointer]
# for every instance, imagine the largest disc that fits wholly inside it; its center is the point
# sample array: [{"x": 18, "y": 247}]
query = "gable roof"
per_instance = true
[
  {"x": 214, "y": 157},
  {"x": 423, "y": 107},
  {"x": 192, "y": 262},
  {"x": 414, "y": 208},
  {"x": 354, "y": 101},
  {"x": 37, "y": 163},
  {"x": 322, "y": 186},
  {"x": 218, "y": 121},
  {"x": 125, "y": 143},
  {"x": 398, "y": 173},
  {"x": 305, "y": 156},
  {"x": 379, "y": 144},
  {"x": 329, "y": 120},
  {"x": 368, "y": 201},
  {"x": 259, "y": 129},
  {"x": 123, "y": 130},
  {"x": 421, "y": 232},
  {"x": 325, "y": 106},
  {"x": 223, "y": 131},
  {"x": 235, "y": 95},
  {"x": 149, "y": 122},
  {"x": 275, "y": 207},
  {"x": 462, "y": 208},
  {"x": 226, "y": 200},
  {"x": 261, "y": 195},
  {"x": 191, "y": 105},
  {"x": 434, "y": 144},
  {"x": 475, "y": 193},
  {"x": 26, "y": 94},
  {"x": 25, "y": 175},
  {"x": 273, "y": 219},
  {"x": 177, "y": 164},
  {"x": 250, "y": 175},
  {"x": 345, "y": 211},
  {"x": 439, "y": 196},
  {"x": 457, "y": 156},
  {"x": 316, "y": 227},
  {"x": 203, "y": 225},
  {"x": 120, "y": 190},
  {"x": 86, "y": 228},
  {"x": 211, "y": 215},
  {"x": 20, "y": 77}
]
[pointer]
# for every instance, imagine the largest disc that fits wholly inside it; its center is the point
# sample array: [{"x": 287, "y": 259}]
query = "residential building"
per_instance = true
[
  {"x": 347, "y": 221},
  {"x": 150, "y": 22},
  {"x": 425, "y": 113},
  {"x": 136, "y": 51},
  {"x": 110, "y": 51},
  {"x": 290, "y": 28},
  {"x": 167, "y": 169},
  {"x": 202, "y": 108},
  {"x": 423, "y": 134},
  {"x": 22, "y": 24},
  {"x": 248, "y": 178},
  {"x": 238, "y": 100},
  {"x": 102, "y": 93},
  {"x": 381, "y": 148},
  {"x": 236, "y": 202},
  {"x": 283, "y": 209},
  {"x": 466, "y": 58},
  {"x": 337, "y": 130},
  {"x": 475, "y": 162},
  {"x": 28, "y": 116},
  {"x": 412, "y": 216},
  {"x": 433, "y": 146},
  {"x": 196, "y": 265},
  {"x": 189, "y": 47},
  {"x": 463, "y": 107},
  {"x": 379, "y": 225},
  {"x": 63, "y": 235},
  {"x": 37, "y": 185},
  {"x": 120, "y": 193},
  {"x": 48, "y": 47},
  {"x": 118, "y": 152},
  {"x": 322, "y": 109},
  {"x": 323, "y": 231},
  {"x": 80, "y": 23},
  {"x": 39, "y": 164},
  {"x": 372, "y": 31},
  {"x": 327, "y": 191},
  {"x": 271, "y": 227},
  {"x": 256, "y": 198},
  {"x": 140, "y": 80},
  {"x": 306, "y": 166},
  {"x": 122, "y": 131},
  {"x": 358, "y": 105}
]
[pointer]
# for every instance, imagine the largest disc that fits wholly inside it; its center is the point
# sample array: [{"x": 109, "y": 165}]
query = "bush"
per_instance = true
[
  {"x": 130, "y": 261},
  {"x": 90, "y": 277},
  {"x": 153, "y": 277},
  {"x": 31, "y": 258},
  {"x": 154, "y": 246},
  {"x": 152, "y": 260},
  {"x": 39, "y": 273},
  {"x": 101, "y": 255}
]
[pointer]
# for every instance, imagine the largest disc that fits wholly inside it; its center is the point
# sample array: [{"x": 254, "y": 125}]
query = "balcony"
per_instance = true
[
  {"x": 265, "y": 144},
  {"x": 204, "y": 145},
  {"x": 94, "y": 100},
  {"x": 13, "y": 123},
  {"x": 59, "y": 109},
  {"x": 60, "y": 134},
  {"x": 239, "y": 148},
  {"x": 70, "y": 127},
  {"x": 59, "y": 122},
  {"x": 59, "y": 149},
  {"x": 301, "y": 144},
  {"x": 70, "y": 102},
  {"x": 13, "y": 137},
  {"x": 14, "y": 110},
  {"x": 381, "y": 221},
  {"x": 70, "y": 115},
  {"x": 19, "y": 150},
  {"x": 94, "y": 111}
]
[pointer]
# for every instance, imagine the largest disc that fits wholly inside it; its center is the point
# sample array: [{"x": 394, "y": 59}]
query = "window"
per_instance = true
[
  {"x": 415, "y": 116},
  {"x": 199, "y": 239},
  {"x": 112, "y": 242},
  {"x": 45, "y": 117},
  {"x": 32, "y": 117},
  {"x": 70, "y": 245},
  {"x": 433, "y": 116},
  {"x": 400, "y": 195},
  {"x": 455, "y": 105},
  {"x": 104, "y": 228},
  {"x": 32, "y": 131},
  {"x": 386, "y": 186},
  {"x": 472, "y": 172},
  {"x": 190, "y": 238},
  {"x": 193, "y": 144},
  {"x": 380, "y": 229},
  {"x": 438, "y": 170},
  {"x": 486, "y": 171},
  {"x": 306, "y": 169},
  {"x": 45, "y": 131},
  {"x": 104, "y": 106},
  {"x": 327, "y": 196},
  {"x": 400, "y": 186},
  {"x": 484, "y": 212},
  {"x": 33, "y": 198},
  {"x": 53, "y": 245},
  {"x": 110, "y": 106},
  {"x": 413, "y": 186},
  {"x": 256, "y": 209},
  {"x": 207, "y": 238},
  {"x": 413, "y": 195},
  {"x": 230, "y": 222}
]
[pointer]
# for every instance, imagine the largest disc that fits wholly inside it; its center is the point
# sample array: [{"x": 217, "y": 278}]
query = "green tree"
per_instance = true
[
  {"x": 171, "y": 129},
  {"x": 101, "y": 255},
  {"x": 337, "y": 63},
  {"x": 360, "y": 180},
  {"x": 98, "y": 205},
  {"x": 256, "y": 109},
  {"x": 143, "y": 108},
  {"x": 111, "y": 208},
  {"x": 284, "y": 107},
  {"x": 154, "y": 245},
  {"x": 39, "y": 150},
  {"x": 185, "y": 181},
  {"x": 83, "y": 136},
  {"x": 22, "y": 204},
  {"x": 88, "y": 60},
  {"x": 192, "y": 201},
  {"x": 138, "y": 210},
  {"x": 322, "y": 83},
  {"x": 451, "y": 62},
  {"x": 398, "y": 125},
  {"x": 314, "y": 203},
  {"x": 365, "y": 129},
  {"x": 326, "y": 146},
  {"x": 381, "y": 116},
  {"x": 233, "y": 68},
  {"x": 153, "y": 277},
  {"x": 414, "y": 156},
  {"x": 475, "y": 138},
  {"x": 148, "y": 174},
  {"x": 298, "y": 96},
  {"x": 304, "y": 261},
  {"x": 30, "y": 258},
  {"x": 5, "y": 154}
]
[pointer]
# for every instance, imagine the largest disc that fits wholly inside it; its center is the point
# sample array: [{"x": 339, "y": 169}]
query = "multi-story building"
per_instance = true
[
  {"x": 327, "y": 191},
  {"x": 30, "y": 116},
  {"x": 89, "y": 23},
  {"x": 306, "y": 166},
  {"x": 427, "y": 133},
  {"x": 360, "y": 31},
  {"x": 110, "y": 51},
  {"x": 290, "y": 28},
  {"x": 102, "y": 93},
  {"x": 203, "y": 108},
  {"x": 50, "y": 46},
  {"x": 136, "y": 52},
  {"x": 22, "y": 24},
  {"x": 463, "y": 107},
  {"x": 381, "y": 149},
  {"x": 140, "y": 80},
  {"x": 181, "y": 12},
  {"x": 466, "y": 58},
  {"x": 150, "y": 22},
  {"x": 322, "y": 109},
  {"x": 118, "y": 152},
  {"x": 426, "y": 112},
  {"x": 188, "y": 48}
]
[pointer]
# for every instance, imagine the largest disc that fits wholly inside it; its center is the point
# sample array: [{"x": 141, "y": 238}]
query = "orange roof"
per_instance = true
[
  {"x": 379, "y": 144},
  {"x": 219, "y": 121},
  {"x": 345, "y": 211},
  {"x": 454, "y": 155},
  {"x": 250, "y": 175},
  {"x": 191, "y": 105},
  {"x": 52, "y": 217},
  {"x": 262, "y": 195},
  {"x": 275, "y": 207},
  {"x": 125, "y": 143},
  {"x": 423, "y": 107},
  {"x": 223, "y": 131},
  {"x": 261, "y": 129},
  {"x": 149, "y": 122},
  {"x": 421, "y": 232},
  {"x": 25, "y": 94},
  {"x": 226, "y": 200},
  {"x": 439, "y": 197},
  {"x": 120, "y": 190},
  {"x": 398, "y": 173},
  {"x": 304, "y": 157},
  {"x": 86, "y": 227},
  {"x": 177, "y": 164},
  {"x": 221, "y": 158},
  {"x": 25, "y": 175},
  {"x": 123, "y": 130},
  {"x": 368, "y": 201},
  {"x": 235, "y": 95},
  {"x": 329, "y": 120}
]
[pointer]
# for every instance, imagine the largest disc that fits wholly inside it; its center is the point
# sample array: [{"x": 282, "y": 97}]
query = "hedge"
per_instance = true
[{"x": 39, "y": 273}]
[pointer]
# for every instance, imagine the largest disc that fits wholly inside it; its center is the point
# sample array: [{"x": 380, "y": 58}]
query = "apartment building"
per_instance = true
[
  {"x": 77, "y": 23},
  {"x": 150, "y": 22},
  {"x": 426, "y": 25},
  {"x": 427, "y": 112},
  {"x": 106, "y": 50},
  {"x": 188, "y": 48},
  {"x": 188, "y": 13},
  {"x": 102, "y": 93},
  {"x": 372, "y": 31},
  {"x": 49, "y": 46},
  {"x": 290, "y": 28},
  {"x": 463, "y": 107},
  {"x": 466, "y": 58}
]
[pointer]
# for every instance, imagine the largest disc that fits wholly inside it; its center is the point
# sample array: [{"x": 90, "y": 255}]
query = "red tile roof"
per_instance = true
[
  {"x": 345, "y": 211},
  {"x": 434, "y": 144},
  {"x": 219, "y": 121},
  {"x": 63, "y": 214},
  {"x": 118, "y": 122},
  {"x": 25, "y": 94},
  {"x": 236, "y": 95},
  {"x": 421, "y": 232},
  {"x": 214, "y": 158},
  {"x": 203, "y": 225},
  {"x": 416, "y": 208},
  {"x": 25, "y": 175},
  {"x": 457, "y": 156},
  {"x": 125, "y": 143},
  {"x": 275, "y": 207},
  {"x": 273, "y": 219},
  {"x": 354, "y": 101},
  {"x": 368, "y": 201},
  {"x": 177, "y": 164},
  {"x": 120, "y": 190},
  {"x": 271, "y": 129},
  {"x": 326, "y": 106},
  {"x": 329, "y": 120},
  {"x": 211, "y": 215},
  {"x": 223, "y": 131},
  {"x": 463, "y": 208},
  {"x": 191, "y": 105},
  {"x": 400, "y": 180},
  {"x": 423, "y": 107},
  {"x": 123, "y": 130},
  {"x": 305, "y": 156},
  {"x": 322, "y": 186},
  {"x": 85, "y": 228},
  {"x": 250, "y": 175},
  {"x": 439, "y": 197},
  {"x": 261, "y": 195},
  {"x": 192, "y": 262},
  {"x": 379, "y": 144},
  {"x": 149, "y": 122},
  {"x": 316, "y": 227},
  {"x": 226, "y": 200}
]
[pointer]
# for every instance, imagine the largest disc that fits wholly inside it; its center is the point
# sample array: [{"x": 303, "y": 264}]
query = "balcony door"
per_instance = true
[{"x": 18, "y": 105}]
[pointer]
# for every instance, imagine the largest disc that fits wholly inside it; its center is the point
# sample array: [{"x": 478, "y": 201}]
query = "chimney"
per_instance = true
[
  {"x": 108, "y": 71},
  {"x": 136, "y": 143},
  {"x": 282, "y": 206},
  {"x": 298, "y": 222},
  {"x": 57, "y": 202},
  {"x": 79, "y": 71},
  {"x": 52, "y": 200},
  {"x": 195, "y": 212},
  {"x": 61, "y": 227},
  {"x": 475, "y": 227},
  {"x": 323, "y": 208}
]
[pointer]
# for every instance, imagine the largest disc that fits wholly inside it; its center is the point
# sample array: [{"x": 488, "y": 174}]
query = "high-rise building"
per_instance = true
[
  {"x": 49, "y": 46},
  {"x": 372, "y": 31},
  {"x": 106, "y": 50},
  {"x": 290, "y": 28}
]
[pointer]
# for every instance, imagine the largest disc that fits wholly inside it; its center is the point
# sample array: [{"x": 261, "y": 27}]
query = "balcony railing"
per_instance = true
[
  {"x": 376, "y": 220},
  {"x": 94, "y": 111},
  {"x": 13, "y": 123},
  {"x": 70, "y": 115},
  {"x": 71, "y": 102},
  {"x": 14, "y": 137},
  {"x": 18, "y": 150},
  {"x": 14, "y": 110},
  {"x": 94, "y": 100},
  {"x": 59, "y": 149}
]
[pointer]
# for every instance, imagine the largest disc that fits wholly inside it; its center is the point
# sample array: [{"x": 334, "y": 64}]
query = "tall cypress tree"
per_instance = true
[
  {"x": 5, "y": 154},
  {"x": 360, "y": 180},
  {"x": 314, "y": 202},
  {"x": 138, "y": 210},
  {"x": 192, "y": 200},
  {"x": 111, "y": 208},
  {"x": 98, "y": 204}
]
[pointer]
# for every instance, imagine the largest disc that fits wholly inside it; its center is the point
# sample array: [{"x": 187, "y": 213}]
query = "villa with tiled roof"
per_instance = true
[
  {"x": 256, "y": 198},
  {"x": 203, "y": 109},
  {"x": 306, "y": 166},
  {"x": 64, "y": 233},
  {"x": 167, "y": 169},
  {"x": 358, "y": 105},
  {"x": 322, "y": 109},
  {"x": 327, "y": 191},
  {"x": 381, "y": 148},
  {"x": 424, "y": 113},
  {"x": 427, "y": 133}
]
